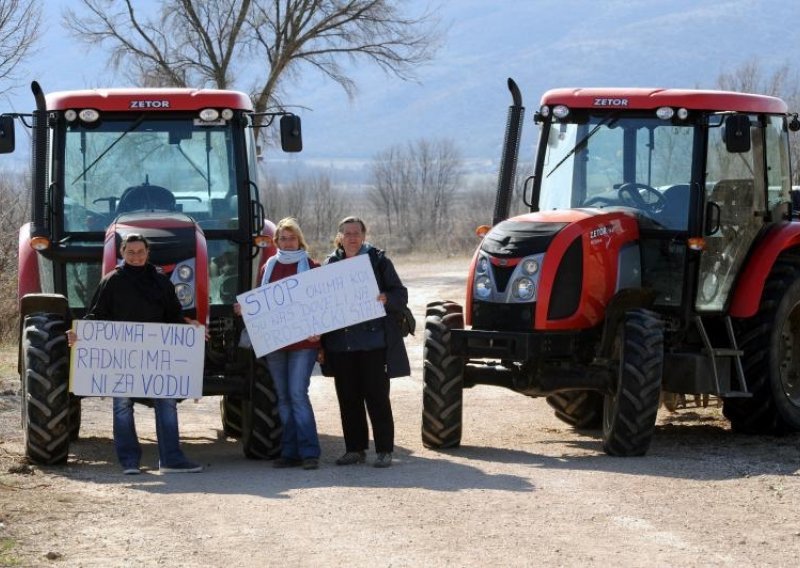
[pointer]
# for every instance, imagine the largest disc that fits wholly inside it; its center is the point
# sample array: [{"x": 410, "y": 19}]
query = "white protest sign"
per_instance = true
[
  {"x": 142, "y": 360},
  {"x": 311, "y": 303}
]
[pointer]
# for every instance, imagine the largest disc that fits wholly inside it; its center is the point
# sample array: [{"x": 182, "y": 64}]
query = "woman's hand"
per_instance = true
[
  {"x": 237, "y": 309},
  {"x": 72, "y": 337},
  {"x": 196, "y": 323},
  {"x": 382, "y": 298}
]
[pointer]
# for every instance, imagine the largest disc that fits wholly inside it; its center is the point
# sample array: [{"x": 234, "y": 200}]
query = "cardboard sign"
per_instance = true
[
  {"x": 142, "y": 360},
  {"x": 311, "y": 303}
]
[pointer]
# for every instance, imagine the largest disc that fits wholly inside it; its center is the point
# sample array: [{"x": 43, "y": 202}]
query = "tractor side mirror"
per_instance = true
[
  {"x": 713, "y": 213},
  {"x": 737, "y": 133},
  {"x": 291, "y": 133},
  {"x": 6, "y": 134}
]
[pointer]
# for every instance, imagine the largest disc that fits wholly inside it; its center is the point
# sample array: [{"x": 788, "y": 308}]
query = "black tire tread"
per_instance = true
[
  {"x": 629, "y": 431},
  {"x": 261, "y": 424},
  {"x": 46, "y": 404},
  {"x": 443, "y": 384}
]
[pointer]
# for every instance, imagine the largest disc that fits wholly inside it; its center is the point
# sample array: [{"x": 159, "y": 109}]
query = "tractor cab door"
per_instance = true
[{"x": 740, "y": 198}]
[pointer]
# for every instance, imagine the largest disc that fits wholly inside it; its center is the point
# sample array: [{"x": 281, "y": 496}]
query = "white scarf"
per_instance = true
[{"x": 299, "y": 257}]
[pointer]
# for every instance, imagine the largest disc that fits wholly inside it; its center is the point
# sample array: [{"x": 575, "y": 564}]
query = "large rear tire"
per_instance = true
[
  {"x": 629, "y": 414},
  {"x": 261, "y": 424},
  {"x": 443, "y": 378},
  {"x": 230, "y": 409},
  {"x": 45, "y": 388},
  {"x": 582, "y": 410},
  {"x": 771, "y": 361}
]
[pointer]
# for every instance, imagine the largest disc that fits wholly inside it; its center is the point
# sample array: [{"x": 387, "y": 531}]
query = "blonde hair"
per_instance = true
[
  {"x": 290, "y": 224},
  {"x": 337, "y": 242}
]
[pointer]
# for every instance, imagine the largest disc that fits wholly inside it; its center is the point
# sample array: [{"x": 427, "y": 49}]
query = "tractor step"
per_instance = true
[
  {"x": 724, "y": 352},
  {"x": 738, "y": 394}
]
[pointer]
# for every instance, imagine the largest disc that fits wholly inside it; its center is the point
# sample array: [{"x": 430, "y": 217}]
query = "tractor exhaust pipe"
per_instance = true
[
  {"x": 508, "y": 163},
  {"x": 39, "y": 220}
]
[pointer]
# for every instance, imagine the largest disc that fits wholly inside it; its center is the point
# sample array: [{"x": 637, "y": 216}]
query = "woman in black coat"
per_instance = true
[{"x": 363, "y": 357}]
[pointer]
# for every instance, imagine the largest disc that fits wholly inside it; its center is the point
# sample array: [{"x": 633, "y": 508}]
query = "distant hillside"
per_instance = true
[{"x": 542, "y": 44}]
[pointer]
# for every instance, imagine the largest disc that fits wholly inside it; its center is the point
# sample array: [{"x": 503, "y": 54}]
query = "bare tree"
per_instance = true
[
  {"x": 212, "y": 43},
  {"x": 750, "y": 77},
  {"x": 19, "y": 30},
  {"x": 14, "y": 207},
  {"x": 414, "y": 187}
]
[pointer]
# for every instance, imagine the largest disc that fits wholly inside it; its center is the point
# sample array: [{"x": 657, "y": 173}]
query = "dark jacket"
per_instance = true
[
  {"x": 378, "y": 333},
  {"x": 140, "y": 294}
]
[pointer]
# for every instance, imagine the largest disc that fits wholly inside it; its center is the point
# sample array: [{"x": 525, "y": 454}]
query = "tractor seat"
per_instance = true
[{"x": 146, "y": 198}]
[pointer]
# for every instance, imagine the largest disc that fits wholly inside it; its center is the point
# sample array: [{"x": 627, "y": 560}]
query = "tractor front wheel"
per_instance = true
[
  {"x": 45, "y": 389},
  {"x": 261, "y": 424},
  {"x": 443, "y": 377},
  {"x": 629, "y": 414}
]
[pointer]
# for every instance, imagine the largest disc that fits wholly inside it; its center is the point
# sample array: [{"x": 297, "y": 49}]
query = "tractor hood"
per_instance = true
[{"x": 531, "y": 233}]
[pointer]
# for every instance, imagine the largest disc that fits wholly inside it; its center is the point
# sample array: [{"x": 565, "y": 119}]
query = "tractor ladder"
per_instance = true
[{"x": 732, "y": 352}]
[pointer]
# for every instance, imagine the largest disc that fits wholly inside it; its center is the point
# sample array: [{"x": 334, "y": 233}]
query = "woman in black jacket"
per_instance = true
[{"x": 363, "y": 357}]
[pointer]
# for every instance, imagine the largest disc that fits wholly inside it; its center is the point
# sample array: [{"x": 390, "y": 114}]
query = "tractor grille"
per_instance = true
[{"x": 502, "y": 317}]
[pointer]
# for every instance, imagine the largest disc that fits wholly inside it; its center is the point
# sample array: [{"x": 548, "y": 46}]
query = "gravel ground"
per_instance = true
[{"x": 524, "y": 489}]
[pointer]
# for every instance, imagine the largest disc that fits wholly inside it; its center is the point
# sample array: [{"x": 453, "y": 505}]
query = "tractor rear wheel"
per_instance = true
[
  {"x": 261, "y": 424},
  {"x": 443, "y": 377},
  {"x": 629, "y": 414},
  {"x": 45, "y": 388},
  {"x": 582, "y": 409},
  {"x": 771, "y": 361},
  {"x": 230, "y": 410}
]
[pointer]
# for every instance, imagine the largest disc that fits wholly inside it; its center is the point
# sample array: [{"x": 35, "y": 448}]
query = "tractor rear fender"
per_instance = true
[
  {"x": 750, "y": 284},
  {"x": 622, "y": 302}
]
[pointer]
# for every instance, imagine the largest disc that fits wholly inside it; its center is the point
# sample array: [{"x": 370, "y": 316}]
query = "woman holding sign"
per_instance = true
[
  {"x": 363, "y": 357},
  {"x": 291, "y": 366},
  {"x": 137, "y": 292}
]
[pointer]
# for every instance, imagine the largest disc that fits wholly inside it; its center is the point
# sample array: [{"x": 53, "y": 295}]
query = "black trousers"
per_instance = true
[{"x": 361, "y": 380}]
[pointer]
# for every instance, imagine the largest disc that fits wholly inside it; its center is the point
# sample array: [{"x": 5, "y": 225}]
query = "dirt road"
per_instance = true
[{"x": 523, "y": 490}]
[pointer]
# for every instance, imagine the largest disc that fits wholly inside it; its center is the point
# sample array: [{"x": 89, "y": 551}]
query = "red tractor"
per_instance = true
[
  {"x": 178, "y": 166},
  {"x": 659, "y": 255}
]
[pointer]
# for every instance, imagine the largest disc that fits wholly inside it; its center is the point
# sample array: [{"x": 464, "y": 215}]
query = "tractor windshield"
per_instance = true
[
  {"x": 190, "y": 163},
  {"x": 616, "y": 160}
]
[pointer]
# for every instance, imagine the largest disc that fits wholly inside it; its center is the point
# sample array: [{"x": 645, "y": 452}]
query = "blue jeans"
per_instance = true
[
  {"x": 291, "y": 372},
  {"x": 126, "y": 442}
]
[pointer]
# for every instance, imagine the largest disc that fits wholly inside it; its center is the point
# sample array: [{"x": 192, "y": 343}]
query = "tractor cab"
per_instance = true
[{"x": 701, "y": 183}]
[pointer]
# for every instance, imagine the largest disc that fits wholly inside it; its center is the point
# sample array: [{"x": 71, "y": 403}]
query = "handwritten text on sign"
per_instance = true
[
  {"x": 311, "y": 303},
  {"x": 143, "y": 360}
]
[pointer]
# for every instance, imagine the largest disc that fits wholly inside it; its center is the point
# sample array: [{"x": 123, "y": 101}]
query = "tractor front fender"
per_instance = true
[{"x": 750, "y": 284}]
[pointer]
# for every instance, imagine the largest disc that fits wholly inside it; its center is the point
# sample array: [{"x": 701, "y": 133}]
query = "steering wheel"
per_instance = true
[{"x": 630, "y": 192}]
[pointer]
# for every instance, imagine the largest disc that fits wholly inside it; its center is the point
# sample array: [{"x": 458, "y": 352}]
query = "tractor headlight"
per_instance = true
[
  {"x": 483, "y": 265},
  {"x": 185, "y": 294},
  {"x": 483, "y": 287},
  {"x": 523, "y": 288},
  {"x": 185, "y": 272},
  {"x": 530, "y": 266}
]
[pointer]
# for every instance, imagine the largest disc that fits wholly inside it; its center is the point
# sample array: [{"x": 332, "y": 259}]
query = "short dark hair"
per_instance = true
[{"x": 134, "y": 238}]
